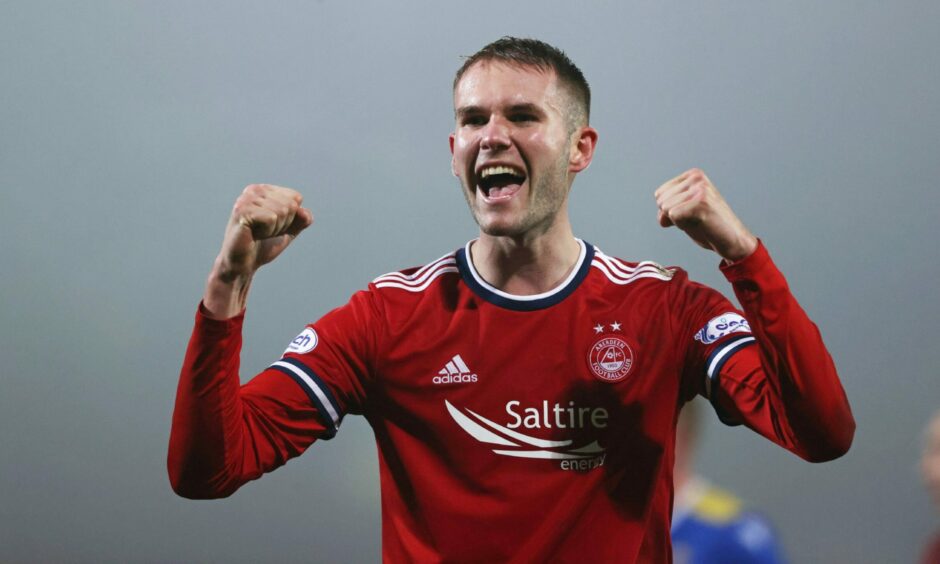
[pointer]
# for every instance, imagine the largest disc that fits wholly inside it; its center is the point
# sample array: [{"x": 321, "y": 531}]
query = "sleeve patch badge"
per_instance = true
[
  {"x": 718, "y": 327},
  {"x": 303, "y": 343}
]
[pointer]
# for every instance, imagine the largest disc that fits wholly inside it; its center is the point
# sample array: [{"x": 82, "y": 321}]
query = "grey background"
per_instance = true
[{"x": 128, "y": 129}]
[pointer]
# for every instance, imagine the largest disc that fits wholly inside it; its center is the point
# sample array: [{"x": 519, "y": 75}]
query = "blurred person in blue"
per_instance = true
[
  {"x": 930, "y": 469},
  {"x": 710, "y": 525}
]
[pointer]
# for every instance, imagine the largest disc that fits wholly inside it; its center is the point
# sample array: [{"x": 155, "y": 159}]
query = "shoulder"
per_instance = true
[
  {"x": 415, "y": 291},
  {"x": 684, "y": 297},
  {"x": 416, "y": 279},
  {"x": 623, "y": 272},
  {"x": 648, "y": 281},
  {"x": 395, "y": 298}
]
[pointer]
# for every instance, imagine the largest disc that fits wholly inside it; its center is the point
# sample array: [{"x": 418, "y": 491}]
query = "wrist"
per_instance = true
[
  {"x": 228, "y": 272},
  {"x": 226, "y": 291},
  {"x": 742, "y": 249}
]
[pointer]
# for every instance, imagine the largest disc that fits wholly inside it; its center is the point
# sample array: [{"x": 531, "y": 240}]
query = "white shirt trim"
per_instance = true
[{"x": 552, "y": 292}]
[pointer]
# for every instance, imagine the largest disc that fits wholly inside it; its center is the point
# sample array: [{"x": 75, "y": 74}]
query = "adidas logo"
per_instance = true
[{"x": 455, "y": 372}]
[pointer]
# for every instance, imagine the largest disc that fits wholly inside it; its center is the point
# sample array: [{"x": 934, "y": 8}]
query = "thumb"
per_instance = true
[{"x": 302, "y": 220}]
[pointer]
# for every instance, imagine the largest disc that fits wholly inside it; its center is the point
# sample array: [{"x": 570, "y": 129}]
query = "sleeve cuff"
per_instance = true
[
  {"x": 755, "y": 275},
  {"x": 217, "y": 327},
  {"x": 748, "y": 266}
]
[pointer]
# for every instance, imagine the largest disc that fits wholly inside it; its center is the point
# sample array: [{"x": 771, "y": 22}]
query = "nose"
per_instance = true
[{"x": 495, "y": 135}]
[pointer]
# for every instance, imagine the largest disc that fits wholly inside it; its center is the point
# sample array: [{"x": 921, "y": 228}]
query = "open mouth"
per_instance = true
[{"x": 500, "y": 182}]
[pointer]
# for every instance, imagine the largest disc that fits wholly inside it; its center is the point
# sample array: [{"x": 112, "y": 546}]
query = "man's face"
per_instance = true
[
  {"x": 930, "y": 462},
  {"x": 513, "y": 149}
]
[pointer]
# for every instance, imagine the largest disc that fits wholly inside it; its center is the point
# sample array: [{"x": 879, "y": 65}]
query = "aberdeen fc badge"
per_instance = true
[{"x": 610, "y": 358}]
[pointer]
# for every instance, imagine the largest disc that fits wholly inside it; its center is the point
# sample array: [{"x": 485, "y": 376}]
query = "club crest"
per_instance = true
[{"x": 611, "y": 359}]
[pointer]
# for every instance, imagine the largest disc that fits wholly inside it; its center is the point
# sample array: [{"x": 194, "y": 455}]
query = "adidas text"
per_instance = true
[
  {"x": 455, "y": 372},
  {"x": 455, "y": 379}
]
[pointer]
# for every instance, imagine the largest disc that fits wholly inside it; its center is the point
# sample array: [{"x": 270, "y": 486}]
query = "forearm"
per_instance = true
[
  {"x": 798, "y": 387},
  {"x": 208, "y": 414},
  {"x": 226, "y": 293},
  {"x": 225, "y": 434},
  {"x": 222, "y": 435}
]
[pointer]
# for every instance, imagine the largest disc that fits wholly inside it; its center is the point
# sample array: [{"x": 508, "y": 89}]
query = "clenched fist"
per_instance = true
[
  {"x": 692, "y": 203},
  {"x": 264, "y": 221}
]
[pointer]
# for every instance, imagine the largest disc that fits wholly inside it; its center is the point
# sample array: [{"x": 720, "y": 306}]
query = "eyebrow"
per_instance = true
[{"x": 523, "y": 107}]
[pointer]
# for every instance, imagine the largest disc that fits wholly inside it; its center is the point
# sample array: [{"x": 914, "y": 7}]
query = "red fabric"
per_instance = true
[
  {"x": 931, "y": 554},
  {"x": 224, "y": 434},
  {"x": 539, "y": 394},
  {"x": 802, "y": 406}
]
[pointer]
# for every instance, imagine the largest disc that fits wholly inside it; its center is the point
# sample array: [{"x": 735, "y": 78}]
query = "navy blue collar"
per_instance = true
[{"x": 524, "y": 303}]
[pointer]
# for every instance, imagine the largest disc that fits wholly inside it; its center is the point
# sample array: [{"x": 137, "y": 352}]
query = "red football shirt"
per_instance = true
[{"x": 526, "y": 428}]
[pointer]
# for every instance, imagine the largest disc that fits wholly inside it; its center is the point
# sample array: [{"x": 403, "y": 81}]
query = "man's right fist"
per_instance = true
[{"x": 265, "y": 219}]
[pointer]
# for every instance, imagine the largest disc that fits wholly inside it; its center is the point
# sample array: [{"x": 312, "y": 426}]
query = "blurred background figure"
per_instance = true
[
  {"x": 930, "y": 469},
  {"x": 709, "y": 525}
]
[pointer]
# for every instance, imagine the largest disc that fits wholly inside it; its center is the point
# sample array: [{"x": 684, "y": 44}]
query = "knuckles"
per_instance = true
[
  {"x": 267, "y": 190},
  {"x": 266, "y": 202},
  {"x": 255, "y": 190}
]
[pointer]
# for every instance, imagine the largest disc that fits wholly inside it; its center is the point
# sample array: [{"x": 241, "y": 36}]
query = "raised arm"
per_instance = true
[
  {"x": 264, "y": 221},
  {"x": 786, "y": 388},
  {"x": 224, "y": 434}
]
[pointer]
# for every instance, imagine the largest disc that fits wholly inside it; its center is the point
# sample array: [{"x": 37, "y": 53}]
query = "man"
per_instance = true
[
  {"x": 524, "y": 389},
  {"x": 711, "y": 526}
]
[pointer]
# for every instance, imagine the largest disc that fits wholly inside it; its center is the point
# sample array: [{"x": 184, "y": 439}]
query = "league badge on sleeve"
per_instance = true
[
  {"x": 722, "y": 325},
  {"x": 303, "y": 343}
]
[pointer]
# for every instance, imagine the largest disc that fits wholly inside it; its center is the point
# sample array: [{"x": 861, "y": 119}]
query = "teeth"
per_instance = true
[{"x": 491, "y": 170}]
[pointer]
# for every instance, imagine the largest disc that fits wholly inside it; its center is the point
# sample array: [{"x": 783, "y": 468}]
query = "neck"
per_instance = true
[{"x": 526, "y": 265}]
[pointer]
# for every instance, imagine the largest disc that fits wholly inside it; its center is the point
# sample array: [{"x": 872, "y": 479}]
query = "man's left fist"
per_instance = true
[{"x": 692, "y": 203}]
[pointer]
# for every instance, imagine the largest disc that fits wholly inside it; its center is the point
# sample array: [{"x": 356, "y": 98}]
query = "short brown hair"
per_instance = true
[{"x": 527, "y": 52}]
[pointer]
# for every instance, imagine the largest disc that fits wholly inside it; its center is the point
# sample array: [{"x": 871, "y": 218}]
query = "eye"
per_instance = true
[
  {"x": 523, "y": 117},
  {"x": 473, "y": 120}
]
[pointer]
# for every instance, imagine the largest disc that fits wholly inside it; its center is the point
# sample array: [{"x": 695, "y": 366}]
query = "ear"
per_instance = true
[
  {"x": 582, "y": 148},
  {"x": 453, "y": 163}
]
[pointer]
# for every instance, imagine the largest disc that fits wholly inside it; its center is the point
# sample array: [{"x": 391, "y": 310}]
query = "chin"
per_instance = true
[
  {"x": 494, "y": 226},
  {"x": 515, "y": 227},
  {"x": 496, "y": 229}
]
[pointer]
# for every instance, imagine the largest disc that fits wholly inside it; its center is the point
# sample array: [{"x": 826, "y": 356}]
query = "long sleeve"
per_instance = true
[
  {"x": 786, "y": 387},
  {"x": 224, "y": 434}
]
